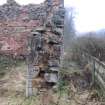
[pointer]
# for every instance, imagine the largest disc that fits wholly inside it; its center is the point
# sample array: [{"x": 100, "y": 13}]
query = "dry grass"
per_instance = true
[{"x": 12, "y": 91}]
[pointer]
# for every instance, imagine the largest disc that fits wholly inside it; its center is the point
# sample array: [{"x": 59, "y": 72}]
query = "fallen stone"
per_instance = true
[{"x": 57, "y": 20}]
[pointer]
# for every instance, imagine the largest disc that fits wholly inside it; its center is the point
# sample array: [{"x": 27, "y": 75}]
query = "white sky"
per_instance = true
[{"x": 90, "y": 13}]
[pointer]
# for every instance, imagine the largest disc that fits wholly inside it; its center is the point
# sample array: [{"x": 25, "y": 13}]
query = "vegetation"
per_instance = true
[
  {"x": 6, "y": 62},
  {"x": 93, "y": 45}
]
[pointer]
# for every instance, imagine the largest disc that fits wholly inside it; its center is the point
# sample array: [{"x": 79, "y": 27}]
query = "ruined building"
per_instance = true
[{"x": 34, "y": 31}]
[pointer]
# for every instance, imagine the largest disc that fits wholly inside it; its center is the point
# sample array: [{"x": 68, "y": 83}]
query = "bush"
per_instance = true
[{"x": 95, "y": 46}]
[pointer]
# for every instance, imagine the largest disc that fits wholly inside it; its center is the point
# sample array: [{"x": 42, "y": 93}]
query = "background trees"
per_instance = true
[
  {"x": 92, "y": 43},
  {"x": 69, "y": 28}
]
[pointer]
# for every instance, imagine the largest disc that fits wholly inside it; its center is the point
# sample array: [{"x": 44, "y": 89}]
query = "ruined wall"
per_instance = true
[
  {"x": 45, "y": 49},
  {"x": 16, "y": 23},
  {"x": 35, "y": 31}
]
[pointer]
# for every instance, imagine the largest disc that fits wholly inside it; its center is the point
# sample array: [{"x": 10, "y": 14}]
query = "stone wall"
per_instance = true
[
  {"x": 45, "y": 49},
  {"x": 35, "y": 31},
  {"x": 16, "y": 23}
]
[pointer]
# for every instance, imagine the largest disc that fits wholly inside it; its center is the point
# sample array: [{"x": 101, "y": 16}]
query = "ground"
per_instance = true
[{"x": 12, "y": 89}]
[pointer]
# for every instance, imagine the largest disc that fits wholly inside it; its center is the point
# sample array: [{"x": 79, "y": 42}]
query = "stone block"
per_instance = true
[
  {"x": 57, "y": 31},
  {"x": 54, "y": 69},
  {"x": 53, "y": 63},
  {"x": 57, "y": 20},
  {"x": 51, "y": 77}
]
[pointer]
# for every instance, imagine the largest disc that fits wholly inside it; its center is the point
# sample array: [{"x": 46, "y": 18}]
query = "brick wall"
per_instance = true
[
  {"x": 16, "y": 23},
  {"x": 45, "y": 49}
]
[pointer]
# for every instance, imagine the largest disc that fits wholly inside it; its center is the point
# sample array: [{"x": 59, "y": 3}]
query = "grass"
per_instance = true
[
  {"x": 6, "y": 63},
  {"x": 13, "y": 82},
  {"x": 12, "y": 91}
]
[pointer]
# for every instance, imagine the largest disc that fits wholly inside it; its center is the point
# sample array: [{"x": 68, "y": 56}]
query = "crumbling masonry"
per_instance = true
[
  {"x": 35, "y": 31},
  {"x": 45, "y": 47}
]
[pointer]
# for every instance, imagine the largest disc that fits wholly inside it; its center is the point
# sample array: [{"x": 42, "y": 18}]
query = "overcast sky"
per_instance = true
[{"x": 90, "y": 13}]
